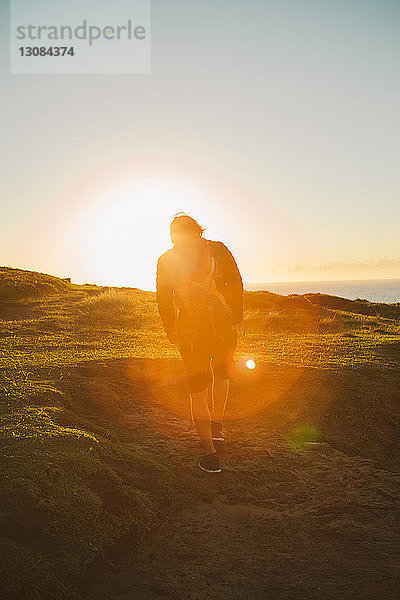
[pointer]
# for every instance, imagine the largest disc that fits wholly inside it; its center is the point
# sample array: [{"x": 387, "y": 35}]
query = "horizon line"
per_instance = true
[{"x": 322, "y": 281}]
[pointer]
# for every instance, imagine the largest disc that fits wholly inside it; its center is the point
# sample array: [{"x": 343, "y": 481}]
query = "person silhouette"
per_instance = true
[{"x": 199, "y": 292}]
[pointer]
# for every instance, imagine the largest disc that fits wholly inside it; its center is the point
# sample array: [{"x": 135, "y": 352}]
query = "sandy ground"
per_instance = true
[{"x": 276, "y": 523}]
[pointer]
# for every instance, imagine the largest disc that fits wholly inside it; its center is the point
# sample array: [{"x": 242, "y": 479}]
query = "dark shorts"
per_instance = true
[{"x": 206, "y": 354}]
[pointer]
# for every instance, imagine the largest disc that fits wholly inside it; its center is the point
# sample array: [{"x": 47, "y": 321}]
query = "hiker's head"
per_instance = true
[{"x": 185, "y": 231}]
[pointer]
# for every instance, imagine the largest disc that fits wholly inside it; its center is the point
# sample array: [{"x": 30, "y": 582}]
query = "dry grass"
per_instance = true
[
  {"x": 17, "y": 283},
  {"x": 114, "y": 308}
]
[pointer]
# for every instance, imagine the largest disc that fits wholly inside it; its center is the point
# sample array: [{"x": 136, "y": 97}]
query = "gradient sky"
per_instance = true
[{"x": 275, "y": 123}]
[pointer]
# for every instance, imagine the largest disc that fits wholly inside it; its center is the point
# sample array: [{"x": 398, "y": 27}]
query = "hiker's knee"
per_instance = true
[
  {"x": 198, "y": 373},
  {"x": 199, "y": 382},
  {"x": 223, "y": 369}
]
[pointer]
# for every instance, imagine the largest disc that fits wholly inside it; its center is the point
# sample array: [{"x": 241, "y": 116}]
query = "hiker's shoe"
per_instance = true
[
  {"x": 209, "y": 463},
  {"x": 216, "y": 432}
]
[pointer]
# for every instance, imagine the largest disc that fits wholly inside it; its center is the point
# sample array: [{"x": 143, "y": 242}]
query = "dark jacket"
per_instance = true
[{"x": 227, "y": 279}]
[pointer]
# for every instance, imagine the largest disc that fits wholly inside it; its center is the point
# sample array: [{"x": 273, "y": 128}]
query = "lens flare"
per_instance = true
[{"x": 250, "y": 364}]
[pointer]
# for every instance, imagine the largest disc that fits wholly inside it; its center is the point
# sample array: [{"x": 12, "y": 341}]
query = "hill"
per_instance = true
[
  {"x": 101, "y": 497},
  {"x": 19, "y": 283}
]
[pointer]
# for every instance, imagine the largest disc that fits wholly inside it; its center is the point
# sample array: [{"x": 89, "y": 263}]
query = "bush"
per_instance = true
[{"x": 112, "y": 307}]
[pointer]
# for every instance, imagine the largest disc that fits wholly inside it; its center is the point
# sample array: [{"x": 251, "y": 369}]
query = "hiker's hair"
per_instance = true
[{"x": 183, "y": 221}]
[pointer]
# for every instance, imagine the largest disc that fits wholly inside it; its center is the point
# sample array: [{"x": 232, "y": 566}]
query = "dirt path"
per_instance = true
[
  {"x": 276, "y": 523},
  {"x": 321, "y": 525}
]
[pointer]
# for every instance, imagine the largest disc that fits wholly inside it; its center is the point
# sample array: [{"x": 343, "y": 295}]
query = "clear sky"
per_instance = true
[{"x": 275, "y": 123}]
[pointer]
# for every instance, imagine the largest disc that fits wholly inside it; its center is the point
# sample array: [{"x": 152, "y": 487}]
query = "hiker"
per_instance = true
[{"x": 200, "y": 300}]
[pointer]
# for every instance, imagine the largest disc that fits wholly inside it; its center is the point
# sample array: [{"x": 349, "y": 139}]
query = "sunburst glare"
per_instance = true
[{"x": 124, "y": 231}]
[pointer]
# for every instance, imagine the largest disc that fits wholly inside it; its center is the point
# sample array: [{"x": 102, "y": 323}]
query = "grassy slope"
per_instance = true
[{"x": 78, "y": 477}]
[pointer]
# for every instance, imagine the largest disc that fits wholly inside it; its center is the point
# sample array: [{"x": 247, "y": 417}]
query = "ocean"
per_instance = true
[{"x": 374, "y": 290}]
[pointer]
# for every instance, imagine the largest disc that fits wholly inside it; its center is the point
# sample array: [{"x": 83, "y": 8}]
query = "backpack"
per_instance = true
[{"x": 205, "y": 307}]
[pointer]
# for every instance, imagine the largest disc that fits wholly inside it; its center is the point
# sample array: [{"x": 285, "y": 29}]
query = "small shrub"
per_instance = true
[{"x": 112, "y": 307}]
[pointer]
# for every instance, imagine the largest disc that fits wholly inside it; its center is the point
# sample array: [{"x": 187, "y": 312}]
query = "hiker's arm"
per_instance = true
[
  {"x": 234, "y": 289},
  {"x": 165, "y": 301}
]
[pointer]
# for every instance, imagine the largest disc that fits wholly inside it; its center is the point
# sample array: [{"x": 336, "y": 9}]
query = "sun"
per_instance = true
[{"x": 123, "y": 232}]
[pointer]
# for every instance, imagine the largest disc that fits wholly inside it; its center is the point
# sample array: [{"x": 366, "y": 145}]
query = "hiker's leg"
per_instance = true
[
  {"x": 222, "y": 370},
  {"x": 221, "y": 390},
  {"x": 199, "y": 377},
  {"x": 202, "y": 418}
]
